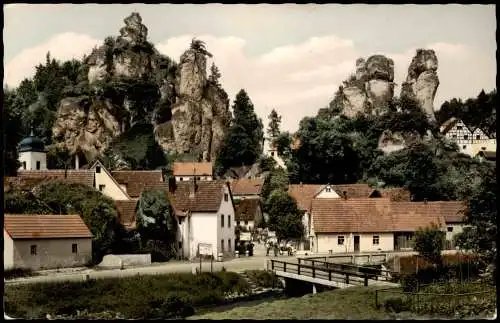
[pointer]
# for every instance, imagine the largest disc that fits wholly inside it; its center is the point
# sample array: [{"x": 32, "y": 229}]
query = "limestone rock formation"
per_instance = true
[
  {"x": 85, "y": 128},
  {"x": 200, "y": 115},
  {"x": 131, "y": 83},
  {"x": 371, "y": 88},
  {"x": 422, "y": 80},
  {"x": 391, "y": 141}
]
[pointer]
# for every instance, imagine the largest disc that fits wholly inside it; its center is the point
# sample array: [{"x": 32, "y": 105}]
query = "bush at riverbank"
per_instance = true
[
  {"x": 264, "y": 278},
  {"x": 18, "y": 273},
  {"x": 146, "y": 297}
]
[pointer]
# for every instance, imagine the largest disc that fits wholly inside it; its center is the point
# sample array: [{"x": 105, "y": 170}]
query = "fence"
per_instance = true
[{"x": 427, "y": 300}]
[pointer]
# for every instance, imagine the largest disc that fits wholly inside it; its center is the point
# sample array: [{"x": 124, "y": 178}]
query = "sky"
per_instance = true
[{"x": 288, "y": 57}]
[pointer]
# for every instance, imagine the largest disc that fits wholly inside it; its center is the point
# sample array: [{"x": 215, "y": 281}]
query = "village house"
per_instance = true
[
  {"x": 246, "y": 188},
  {"x": 248, "y": 213},
  {"x": 185, "y": 171},
  {"x": 305, "y": 193},
  {"x": 206, "y": 216},
  {"x": 245, "y": 172},
  {"x": 378, "y": 224},
  {"x": 270, "y": 150},
  {"x": 45, "y": 241},
  {"x": 470, "y": 141},
  {"x": 32, "y": 153}
]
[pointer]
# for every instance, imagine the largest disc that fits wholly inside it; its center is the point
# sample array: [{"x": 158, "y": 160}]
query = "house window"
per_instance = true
[
  {"x": 483, "y": 148},
  {"x": 226, "y": 197},
  {"x": 340, "y": 240},
  {"x": 246, "y": 222},
  {"x": 466, "y": 137},
  {"x": 33, "y": 250},
  {"x": 24, "y": 165},
  {"x": 228, "y": 244},
  {"x": 328, "y": 189},
  {"x": 38, "y": 165},
  {"x": 450, "y": 229},
  {"x": 376, "y": 240},
  {"x": 459, "y": 127},
  {"x": 409, "y": 238},
  {"x": 180, "y": 179},
  {"x": 101, "y": 187},
  {"x": 222, "y": 220},
  {"x": 478, "y": 137},
  {"x": 464, "y": 146},
  {"x": 222, "y": 245},
  {"x": 98, "y": 169},
  {"x": 180, "y": 245},
  {"x": 197, "y": 178},
  {"x": 74, "y": 248},
  {"x": 454, "y": 136},
  {"x": 272, "y": 153},
  {"x": 229, "y": 221}
]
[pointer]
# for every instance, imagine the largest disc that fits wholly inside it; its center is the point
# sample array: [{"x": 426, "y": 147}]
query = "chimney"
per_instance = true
[
  {"x": 172, "y": 185},
  {"x": 425, "y": 200},
  {"x": 193, "y": 187},
  {"x": 344, "y": 193},
  {"x": 300, "y": 184}
]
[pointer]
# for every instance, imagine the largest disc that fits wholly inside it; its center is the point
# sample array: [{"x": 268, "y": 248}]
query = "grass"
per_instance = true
[
  {"x": 353, "y": 303},
  {"x": 134, "y": 297}
]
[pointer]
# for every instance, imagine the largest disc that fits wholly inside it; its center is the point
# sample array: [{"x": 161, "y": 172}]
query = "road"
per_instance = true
[{"x": 237, "y": 264}]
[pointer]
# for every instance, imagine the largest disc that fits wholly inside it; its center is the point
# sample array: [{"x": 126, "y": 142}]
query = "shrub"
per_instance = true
[
  {"x": 429, "y": 242},
  {"x": 263, "y": 278},
  {"x": 396, "y": 305},
  {"x": 17, "y": 272}
]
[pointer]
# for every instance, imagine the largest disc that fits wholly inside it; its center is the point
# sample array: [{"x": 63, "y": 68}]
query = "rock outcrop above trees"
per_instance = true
[
  {"x": 130, "y": 82},
  {"x": 422, "y": 80}
]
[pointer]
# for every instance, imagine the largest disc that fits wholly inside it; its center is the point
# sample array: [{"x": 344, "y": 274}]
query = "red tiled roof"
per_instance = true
[
  {"x": 373, "y": 215},
  {"x": 32, "y": 177},
  {"x": 245, "y": 210},
  {"x": 452, "y": 211},
  {"x": 190, "y": 169},
  {"x": 393, "y": 193},
  {"x": 207, "y": 198},
  {"x": 126, "y": 213},
  {"x": 246, "y": 186},
  {"x": 137, "y": 181},
  {"x": 32, "y": 226},
  {"x": 304, "y": 193}
]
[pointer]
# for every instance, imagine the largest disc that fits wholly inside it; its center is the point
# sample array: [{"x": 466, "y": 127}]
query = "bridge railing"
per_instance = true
[
  {"x": 375, "y": 273},
  {"x": 322, "y": 272}
]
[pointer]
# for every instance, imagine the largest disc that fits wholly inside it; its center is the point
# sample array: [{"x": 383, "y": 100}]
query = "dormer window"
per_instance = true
[
  {"x": 98, "y": 169},
  {"x": 328, "y": 189}
]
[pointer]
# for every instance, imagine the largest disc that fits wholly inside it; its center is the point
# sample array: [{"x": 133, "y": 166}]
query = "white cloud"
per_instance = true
[
  {"x": 297, "y": 79},
  {"x": 63, "y": 46}
]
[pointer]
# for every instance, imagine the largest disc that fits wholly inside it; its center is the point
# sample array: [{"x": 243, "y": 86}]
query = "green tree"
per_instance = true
[
  {"x": 273, "y": 128},
  {"x": 156, "y": 222},
  {"x": 277, "y": 179},
  {"x": 284, "y": 216},
  {"x": 283, "y": 144},
  {"x": 429, "y": 243},
  {"x": 97, "y": 211},
  {"x": 215, "y": 75},
  {"x": 481, "y": 217},
  {"x": 242, "y": 144},
  {"x": 12, "y": 135}
]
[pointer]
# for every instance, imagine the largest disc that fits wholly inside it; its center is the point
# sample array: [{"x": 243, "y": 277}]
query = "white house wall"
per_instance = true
[
  {"x": 456, "y": 229},
  {"x": 327, "y": 193},
  {"x": 487, "y": 145},
  {"x": 189, "y": 178},
  {"x": 8, "y": 251},
  {"x": 329, "y": 241},
  {"x": 203, "y": 229},
  {"x": 111, "y": 188},
  {"x": 227, "y": 232},
  {"x": 31, "y": 158}
]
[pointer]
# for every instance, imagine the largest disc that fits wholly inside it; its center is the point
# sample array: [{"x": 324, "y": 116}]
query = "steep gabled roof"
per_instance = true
[
  {"x": 126, "y": 213},
  {"x": 34, "y": 177},
  {"x": 33, "y": 226},
  {"x": 207, "y": 197},
  {"x": 190, "y": 169},
  {"x": 136, "y": 181},
  {"x": 246, "y": 186},
  {"x": 372, "y": 215},
  {"x": 246, "y": 209}
]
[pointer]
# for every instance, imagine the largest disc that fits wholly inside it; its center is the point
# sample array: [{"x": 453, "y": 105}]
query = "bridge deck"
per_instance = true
[{"x": 328, "y": 274}]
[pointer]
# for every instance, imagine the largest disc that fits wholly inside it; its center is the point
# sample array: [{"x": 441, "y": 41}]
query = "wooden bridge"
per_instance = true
[{"x": 329, "y": 274}]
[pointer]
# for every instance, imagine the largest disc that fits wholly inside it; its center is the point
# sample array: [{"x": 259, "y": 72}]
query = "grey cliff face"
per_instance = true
[
  {"x": 200, "y": 115},
  {"x": 88, "y": 130},
  {"x": 371, "y": 88},
  {"x": 422, "y": 80}
]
